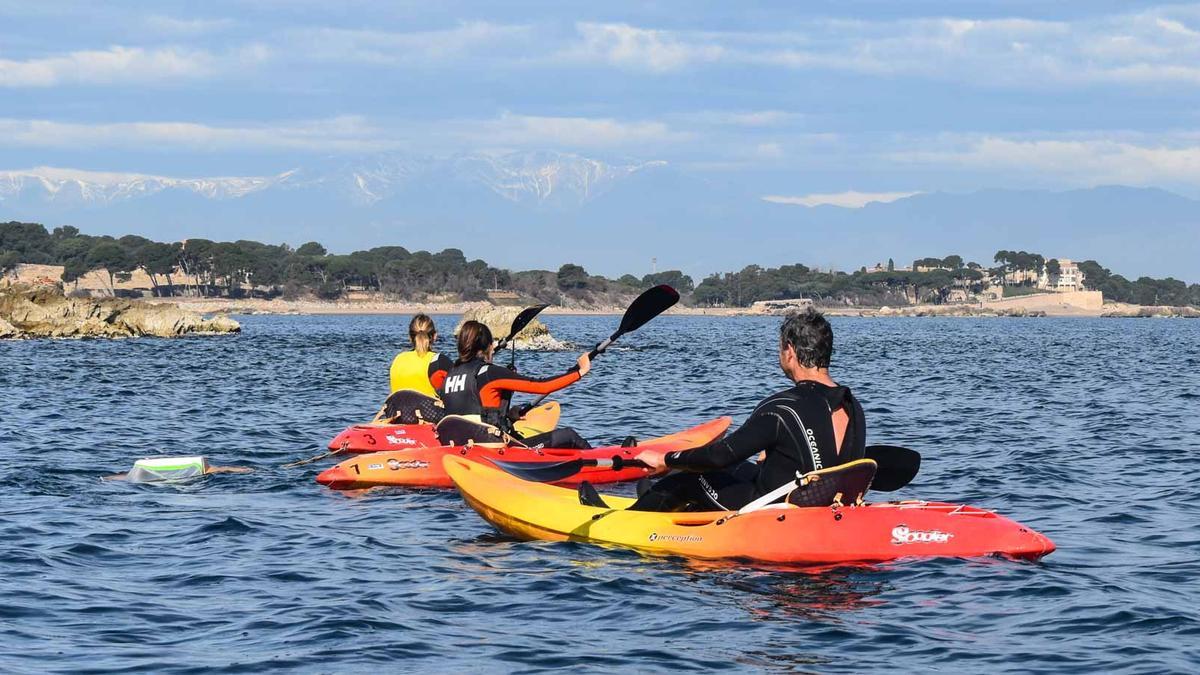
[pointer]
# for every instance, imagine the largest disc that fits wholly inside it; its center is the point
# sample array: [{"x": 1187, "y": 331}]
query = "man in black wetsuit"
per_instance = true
[{"x": 815, "y": 424}]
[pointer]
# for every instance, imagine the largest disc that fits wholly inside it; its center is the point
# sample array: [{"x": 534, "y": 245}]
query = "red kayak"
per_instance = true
[
  {"x": 422, "y": 466},
  {"x": 378, "y": 436}
]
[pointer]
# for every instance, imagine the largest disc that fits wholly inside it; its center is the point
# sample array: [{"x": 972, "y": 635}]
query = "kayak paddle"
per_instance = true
[
  {"x": 896, "y": 466},
  {"x": 649, "y": 304},
  {"x": 549, "y": 472},
  {"x": 519, "y": 324}
]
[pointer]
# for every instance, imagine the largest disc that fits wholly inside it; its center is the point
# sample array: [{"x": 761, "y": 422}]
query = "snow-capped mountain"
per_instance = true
[
  {"x": 538, "y": 210},
  {"x": 537, "y": 178},
  {"x": 79, "y": 187}
]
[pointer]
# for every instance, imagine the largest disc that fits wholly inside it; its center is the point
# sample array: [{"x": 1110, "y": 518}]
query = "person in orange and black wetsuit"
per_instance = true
[{"x": 476, "y": 387}]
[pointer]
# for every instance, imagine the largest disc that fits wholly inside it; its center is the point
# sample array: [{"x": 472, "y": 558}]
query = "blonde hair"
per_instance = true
[{"x": 422, "y": 332}]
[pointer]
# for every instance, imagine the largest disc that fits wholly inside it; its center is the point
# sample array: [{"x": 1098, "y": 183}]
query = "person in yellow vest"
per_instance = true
[{"x": 420, "y": 369}]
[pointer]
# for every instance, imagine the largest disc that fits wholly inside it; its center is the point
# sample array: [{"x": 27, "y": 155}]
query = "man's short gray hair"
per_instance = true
[{"x": 809, "y": 333}]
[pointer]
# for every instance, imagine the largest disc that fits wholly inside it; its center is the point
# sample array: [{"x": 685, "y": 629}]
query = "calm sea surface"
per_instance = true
[{"x": 1086, "y": 430}]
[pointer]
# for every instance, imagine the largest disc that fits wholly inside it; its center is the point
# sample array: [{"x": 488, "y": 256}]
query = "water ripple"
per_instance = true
[{"x": 1084, "y": 429}]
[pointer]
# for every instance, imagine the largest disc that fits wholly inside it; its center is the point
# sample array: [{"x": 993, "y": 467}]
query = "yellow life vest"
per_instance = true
[{"x": 411, "y": 371}]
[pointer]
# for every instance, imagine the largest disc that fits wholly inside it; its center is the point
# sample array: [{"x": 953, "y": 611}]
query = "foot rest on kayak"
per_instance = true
[
  {"x": 408, "y": 406},
  {"x": 842, "y": 485},
  {"x": 459, "y": 430}
]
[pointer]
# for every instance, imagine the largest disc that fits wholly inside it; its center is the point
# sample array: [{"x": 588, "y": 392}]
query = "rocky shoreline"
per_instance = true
[
  {"x": 28, "y": 312},
  {"x": 936, "y": 310}
]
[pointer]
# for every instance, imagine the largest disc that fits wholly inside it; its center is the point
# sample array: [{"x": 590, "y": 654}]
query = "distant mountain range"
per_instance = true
[{"x": 540, "y": 209}]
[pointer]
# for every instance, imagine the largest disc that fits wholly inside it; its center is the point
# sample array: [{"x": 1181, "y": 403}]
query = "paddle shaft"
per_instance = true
[
  {"x": 550, "y": 472},
  {"x": 649, "y": 304}
]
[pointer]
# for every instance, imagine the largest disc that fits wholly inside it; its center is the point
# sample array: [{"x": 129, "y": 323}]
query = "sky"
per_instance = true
[{"x": 815, "y": 102}]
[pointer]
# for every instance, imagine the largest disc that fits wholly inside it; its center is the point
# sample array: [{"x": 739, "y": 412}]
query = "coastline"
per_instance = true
[
  {"x": 322, "y": 307},
  {"x": 386, "y": 307}
]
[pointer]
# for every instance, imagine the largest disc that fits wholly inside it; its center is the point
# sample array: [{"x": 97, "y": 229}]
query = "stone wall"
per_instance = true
[{"x": 1090, "y": 301}]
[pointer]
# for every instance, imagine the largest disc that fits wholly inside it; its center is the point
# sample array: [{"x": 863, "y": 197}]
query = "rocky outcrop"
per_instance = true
[
  {"x": 1126, "y": 311},
  {"x": 499, "y": 319},
  {"x": 39, "y": 312}
]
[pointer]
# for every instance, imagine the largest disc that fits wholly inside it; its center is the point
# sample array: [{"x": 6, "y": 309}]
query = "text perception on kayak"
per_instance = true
[
  {"x": 399, "y": 440},
  {"x": 902, "y": 535},
  {"x": 679, "y": 538},
  {"x": 396, "y": 465}
]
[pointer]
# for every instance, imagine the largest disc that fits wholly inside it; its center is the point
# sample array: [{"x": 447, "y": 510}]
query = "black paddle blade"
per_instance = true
[
  {"x": 897, "y": 466},
  {"x": 524, "y": 318},
  {"x": 648, "y": 305},
  {"x": 543, "y": 472},
  {"x": 520, "y": 322}
]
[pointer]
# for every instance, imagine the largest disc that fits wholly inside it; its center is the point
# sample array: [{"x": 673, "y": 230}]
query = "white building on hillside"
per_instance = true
[{"x": 1069, "y": 278}]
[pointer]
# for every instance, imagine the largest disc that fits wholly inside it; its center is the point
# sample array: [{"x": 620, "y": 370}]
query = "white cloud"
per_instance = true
[
  {"x": 1155, "y": 46},
  {"x": 580, "y": 132},
  {"x": 850, "y": 199},
  {"x": 339, "y": 134},
  {"x": 119, "y": 65},
  {"x": 768, "y": 151},
  {"x": 741, "y": 118},
  {"x": 116, "y": 64},
  {"x": 628, "y": 46},
  {"x": 388, "y": 48},
  {"x": 172, "y": 26},
  {"x": 1076, "y": 161},
  {"x": 347, "y": 134}
]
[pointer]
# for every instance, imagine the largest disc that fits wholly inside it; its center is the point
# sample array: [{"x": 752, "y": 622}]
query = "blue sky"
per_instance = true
[{"x": 823, "y": 98}]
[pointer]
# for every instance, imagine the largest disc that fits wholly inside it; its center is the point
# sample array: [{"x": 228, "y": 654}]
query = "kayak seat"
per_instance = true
[
  {"x": 459, "y": 430},
  {"x": 408, "y": 406},
  {"x": 845, "y": 484}
]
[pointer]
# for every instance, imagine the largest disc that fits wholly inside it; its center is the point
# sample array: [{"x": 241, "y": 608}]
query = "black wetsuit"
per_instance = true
[
  {"x": 485, "y": 389},
  {"x": 794, "y": 427}
]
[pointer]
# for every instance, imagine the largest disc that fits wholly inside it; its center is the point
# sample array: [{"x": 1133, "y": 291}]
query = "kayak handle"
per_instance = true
[{"x": 618, "y": 463}]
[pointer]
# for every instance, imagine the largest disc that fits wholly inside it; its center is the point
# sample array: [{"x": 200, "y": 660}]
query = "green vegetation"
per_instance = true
[
  {"x": 860, "y": 288},
  {"x": 249, "y": 268},
  {"x": 1143, "y": 291}
]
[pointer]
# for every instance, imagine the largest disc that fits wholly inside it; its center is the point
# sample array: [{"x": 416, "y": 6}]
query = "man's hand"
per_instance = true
[
  {"x": 654, "y": 460},
  {"x": 585, "y": 364}
]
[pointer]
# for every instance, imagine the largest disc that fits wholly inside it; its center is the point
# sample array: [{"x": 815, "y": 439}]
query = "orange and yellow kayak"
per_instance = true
[
  {"x": 778, "y": 533},
  {"x": 422, "y": 466}
]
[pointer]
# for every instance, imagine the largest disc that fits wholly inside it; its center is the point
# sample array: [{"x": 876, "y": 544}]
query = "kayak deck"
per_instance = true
[
  {"x": 423, "y": 467},
  {"x": 783, "y": 534}
]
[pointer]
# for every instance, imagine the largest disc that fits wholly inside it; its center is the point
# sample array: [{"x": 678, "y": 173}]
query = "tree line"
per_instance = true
[
  {"x": 252, "y": 269},
  {"x": 248, "y": 268}
]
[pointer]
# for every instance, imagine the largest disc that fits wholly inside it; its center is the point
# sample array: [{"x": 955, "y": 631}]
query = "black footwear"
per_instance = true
[
  {"x": 643, "y": 486},
  {"x": 589, "y": 497},
  {"x": 629, "y": 442}
]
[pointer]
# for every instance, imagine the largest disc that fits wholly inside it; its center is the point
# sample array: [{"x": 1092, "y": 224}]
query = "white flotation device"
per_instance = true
[{"x": 163, "y": 469}]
